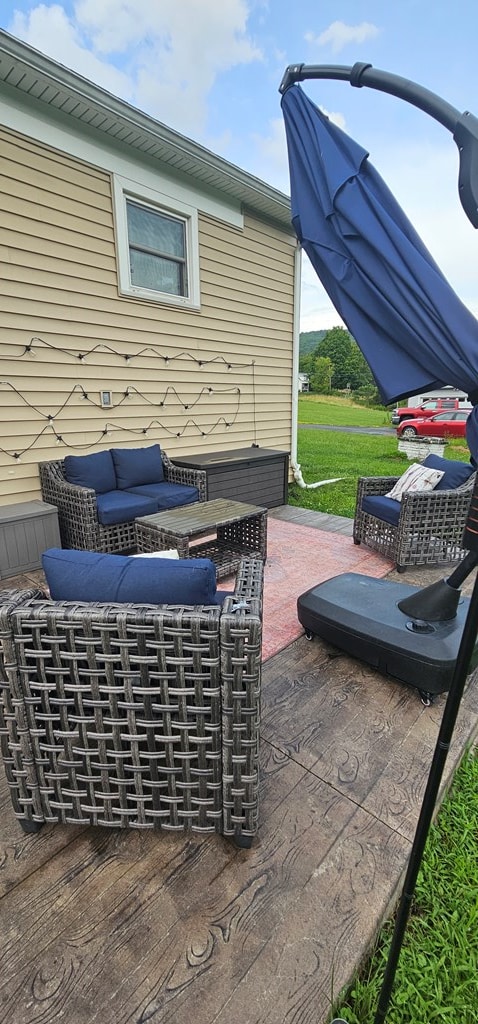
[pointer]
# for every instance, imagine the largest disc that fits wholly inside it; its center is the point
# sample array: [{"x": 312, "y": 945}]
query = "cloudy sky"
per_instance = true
[{"x": 211, "y": 70}]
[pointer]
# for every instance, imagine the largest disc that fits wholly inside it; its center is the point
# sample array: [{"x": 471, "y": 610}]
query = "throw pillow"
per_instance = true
[
  {"x": 136, "y": 466},
  {"x": 167, "y": 553},
  {"x": 455, "y": 473},
  {"x": 415, "y": 478}
]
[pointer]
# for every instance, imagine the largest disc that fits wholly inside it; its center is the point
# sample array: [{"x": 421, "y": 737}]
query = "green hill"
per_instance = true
[{"x": 308, "y": 340}]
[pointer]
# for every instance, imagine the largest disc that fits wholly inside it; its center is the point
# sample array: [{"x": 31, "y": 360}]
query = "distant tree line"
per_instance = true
[{"x": 334, "y": 362}]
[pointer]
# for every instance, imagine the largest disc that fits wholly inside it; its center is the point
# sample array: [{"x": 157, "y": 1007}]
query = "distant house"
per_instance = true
[
  {"x": 442, "y": 392},
  {"x": 304, "y": 382},
  {"x": 148, "y": 287}
]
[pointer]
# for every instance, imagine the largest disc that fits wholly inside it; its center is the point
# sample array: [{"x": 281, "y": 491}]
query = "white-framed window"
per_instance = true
[{"x": 157, "y": 245}]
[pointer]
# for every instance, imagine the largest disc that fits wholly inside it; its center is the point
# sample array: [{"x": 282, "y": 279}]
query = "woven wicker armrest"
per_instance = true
[
  {"x": 374, "y": 485},
  {"x": 249, "y": 580},
  {"x": 183, "y": 475},
  {"x": 241, "y": 656},
  {"x": 53, "y": 482},
  {"x": 416, "y": 505},
  {"x": 77, "y": 507},
  {"x": 11, "y": 599},
  {"x": 74, "y": 494}
]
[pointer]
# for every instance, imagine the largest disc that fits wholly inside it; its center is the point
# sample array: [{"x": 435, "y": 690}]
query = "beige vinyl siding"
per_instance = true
[{"x": 59, "y": 283}]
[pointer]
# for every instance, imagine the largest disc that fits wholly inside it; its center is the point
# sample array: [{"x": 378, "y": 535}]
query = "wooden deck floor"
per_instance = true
[{"x": 129, "y": 928}]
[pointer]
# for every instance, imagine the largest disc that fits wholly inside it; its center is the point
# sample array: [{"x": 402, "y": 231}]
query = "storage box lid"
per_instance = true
[
  {"x": 235, "y": 455},
  {"x": 25, "y": 510}
]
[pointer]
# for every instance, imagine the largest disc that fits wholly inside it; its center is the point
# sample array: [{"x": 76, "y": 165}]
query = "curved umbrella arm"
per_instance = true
[{"x": 464, "y": 127}]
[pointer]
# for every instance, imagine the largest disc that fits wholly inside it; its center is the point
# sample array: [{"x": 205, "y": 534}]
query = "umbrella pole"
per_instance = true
[{"x": 426, "y": 814}]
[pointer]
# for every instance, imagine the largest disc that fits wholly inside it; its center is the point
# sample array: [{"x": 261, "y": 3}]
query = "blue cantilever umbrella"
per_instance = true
[
  {"x": 412, "y": 328},
  {"x": 410, "y": 325}
]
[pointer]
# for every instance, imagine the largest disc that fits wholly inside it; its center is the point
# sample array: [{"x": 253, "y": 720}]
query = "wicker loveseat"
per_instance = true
[
  {"x": 425, "y": 527},
  {"x": 127, "y": 715},
  {"x": 91, "y": 518}
]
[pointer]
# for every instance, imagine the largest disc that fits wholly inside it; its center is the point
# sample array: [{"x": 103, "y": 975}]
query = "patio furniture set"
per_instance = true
[{"x": 130, "y": 693}]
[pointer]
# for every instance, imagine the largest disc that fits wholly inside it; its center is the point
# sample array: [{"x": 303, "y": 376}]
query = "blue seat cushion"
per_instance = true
[
  {"x": 122, "y": 507},
  {"x": 136, "y": 466},
  {"x": 382, "y": 508},
  {"x": 89, "y": 576},
  {"x": 455, "y": 473},
  {"x": 96, "y": 471},
  {"x": 167, "y": 495}
]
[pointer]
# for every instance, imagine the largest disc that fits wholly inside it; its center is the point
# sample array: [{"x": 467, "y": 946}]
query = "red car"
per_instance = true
[{"x": 444, "y": 424}]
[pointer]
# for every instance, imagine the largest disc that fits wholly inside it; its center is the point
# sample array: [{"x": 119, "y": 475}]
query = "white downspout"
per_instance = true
[
  {"x": 294, "y": 465},
  {"x": 295, "y": 357}
]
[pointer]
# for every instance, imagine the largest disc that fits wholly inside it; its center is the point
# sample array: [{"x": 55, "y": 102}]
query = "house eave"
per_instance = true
[{"x": 35, "y": 75}]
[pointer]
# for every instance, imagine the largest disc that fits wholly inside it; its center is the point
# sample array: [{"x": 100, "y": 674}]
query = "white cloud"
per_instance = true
[
  {"x": 425, "y": 184},
  {"x": 435, "y": 213},
  {"x": 50, "y": 30},
  {"x": 164, "y": 57},
  {"x": 334, "y": 115},
  {"x": 270, "y": 156},
  {"x": 316, "y": 310},
  {"x": 338, "y": 35},
  {"x": 268, "y": 160}
]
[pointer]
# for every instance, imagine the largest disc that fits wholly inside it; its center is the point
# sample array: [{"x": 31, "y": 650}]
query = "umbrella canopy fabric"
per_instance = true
[{"x": 412, "y": 328}]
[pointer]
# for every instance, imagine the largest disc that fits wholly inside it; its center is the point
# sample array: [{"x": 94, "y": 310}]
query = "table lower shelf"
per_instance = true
[{"x": 226, "y": 558}]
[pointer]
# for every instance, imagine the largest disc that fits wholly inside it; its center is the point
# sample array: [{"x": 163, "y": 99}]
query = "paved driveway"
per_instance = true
[{"x": 388, "y": 431}]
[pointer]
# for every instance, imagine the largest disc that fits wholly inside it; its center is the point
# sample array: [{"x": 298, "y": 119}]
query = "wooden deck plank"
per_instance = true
[
  {"x": 133, "y": 939},
  {"x": 20, "y": 854},
  {"x": 307, "y": 517},
  {"x": 114, "y": 927},
  {"x": 367, "y": 735}
]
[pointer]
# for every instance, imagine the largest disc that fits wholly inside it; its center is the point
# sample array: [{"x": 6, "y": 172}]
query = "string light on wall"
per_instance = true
[
  {"x": 170, "y": 396},
  {"x": 128, "y": 357},
  {"x": 108, "y": 427},
  {"x": 131, "y": 390}
]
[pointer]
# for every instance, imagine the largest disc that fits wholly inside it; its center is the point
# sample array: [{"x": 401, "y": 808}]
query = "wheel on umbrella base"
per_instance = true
[{"x": 309, "y": 635}]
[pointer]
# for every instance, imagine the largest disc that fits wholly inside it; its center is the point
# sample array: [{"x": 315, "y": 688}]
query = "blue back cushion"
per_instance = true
[
  {"x": 96, "y": 471},
  {"x": 88, "y": 576},
  {"x": 455, "y": 473},
  {"x": 136, "y": 466}
]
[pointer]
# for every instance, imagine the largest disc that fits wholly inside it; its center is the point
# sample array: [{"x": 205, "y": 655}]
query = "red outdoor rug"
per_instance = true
[{"x": 298, "y": 557}]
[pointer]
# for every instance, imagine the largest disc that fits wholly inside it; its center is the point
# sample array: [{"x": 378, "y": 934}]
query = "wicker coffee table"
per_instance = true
[{"x": 237, "y": 529}]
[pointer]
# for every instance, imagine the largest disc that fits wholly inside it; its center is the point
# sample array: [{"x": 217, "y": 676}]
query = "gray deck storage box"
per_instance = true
[
  {"x": 26, "y": 530},
  {"x": 258, "y": 476}
]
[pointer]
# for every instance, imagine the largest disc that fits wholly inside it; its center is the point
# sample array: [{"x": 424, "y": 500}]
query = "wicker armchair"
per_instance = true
[
  {"x": 134, "y": 715},
  {"x": 78, "y": 512},
  {"x": 430, "y": 525}
]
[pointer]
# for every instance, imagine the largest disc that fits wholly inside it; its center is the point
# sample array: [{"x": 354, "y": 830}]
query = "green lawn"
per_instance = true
[
  {"x": 340, "y": 412},
  {"x": 436, "y": 980},
  {"x": 324, "y": 454}
]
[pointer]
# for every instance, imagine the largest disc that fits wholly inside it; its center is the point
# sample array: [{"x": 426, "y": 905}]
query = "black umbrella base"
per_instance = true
[{"x": 360, "y": 615}]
